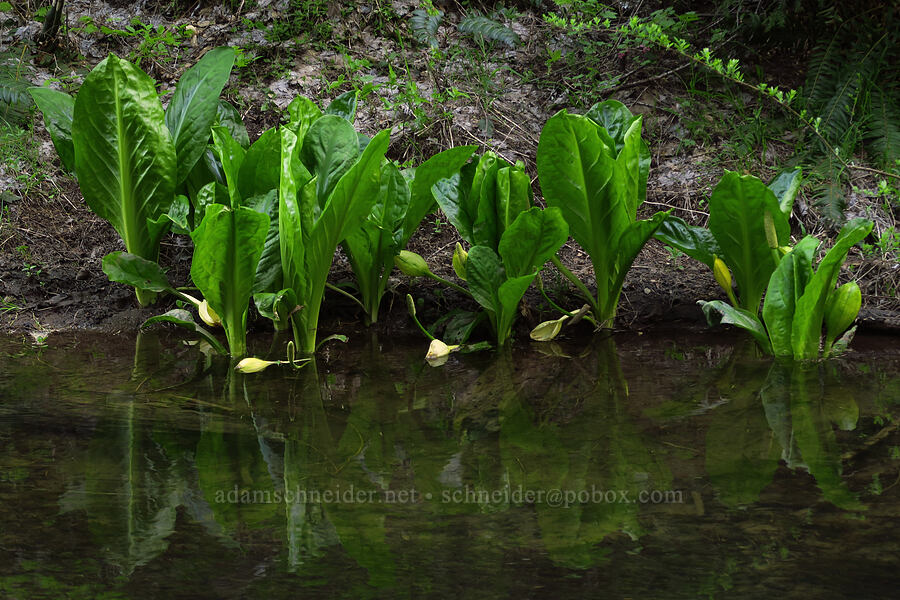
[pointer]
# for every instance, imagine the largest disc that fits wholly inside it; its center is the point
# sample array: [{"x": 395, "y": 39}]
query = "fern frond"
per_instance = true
[
  {"x": 15, "y": 102},
  {"x": 837, "y": 112},
  {"x": 488, "y": 29},
  {"x": 424, "y": 26},
  {"x": 883, "y": 127},
  {"x": 827, "y": 192}
]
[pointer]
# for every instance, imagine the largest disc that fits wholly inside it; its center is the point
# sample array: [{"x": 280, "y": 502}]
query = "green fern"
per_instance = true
[
  {"x": 15, "y": 102},
  {"x": 424, "y": 26},
  {"x": 847, "y": 89},
  {"x": 882, "y": 130},
  {"x": 488, "y": 29}
]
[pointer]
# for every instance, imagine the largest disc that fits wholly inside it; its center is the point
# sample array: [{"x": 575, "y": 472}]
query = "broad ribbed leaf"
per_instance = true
[
  {"x": 185, "y": 320},
  {"x": 268, "y": 271},
  {"x": 485, "y": 275},
  {"x": 260, "y": 170},
  {"x": 232, "y": 155},
  {"x": 737, "y": 211},
  {"x": 696, "y": 242},
  {"x": 353, "y": 197},
  {"x": 124, "y": 156},
  {"x": 302, "y": 113},
  {"x": 193, "y": 108},
  {"x": 721, "y": 312},
  {"x": 509, "y": 295},
  {"x": 135, "y": 271},
  {"x": 58, "y": 109},
  {"x": 430, "y": 172},
  {"x": 615, "y": 118},
  {"x": 344, "y": 106},
  {"x": 577, "y": 174},
  {"x": 453, "y": 196},
  {"x": 227, "y": 247},
  {"x": 483, "y": 199},
  {"x": 371, "y": 247},
  {"x": 531, "y": 240},
  {"x": 785, "y": 287},
  {"x": 628, "y": 163},
  {"x": 810, "y": 310},
  {"x": 785, "y": 186},
  {"x": 290, "y": 221},
  {"x": 328, "y": 150},
  {"x": 227, "y": 116}
]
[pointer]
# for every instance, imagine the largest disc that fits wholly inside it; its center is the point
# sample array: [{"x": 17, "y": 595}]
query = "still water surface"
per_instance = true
[{"x": 664, "y": 466}]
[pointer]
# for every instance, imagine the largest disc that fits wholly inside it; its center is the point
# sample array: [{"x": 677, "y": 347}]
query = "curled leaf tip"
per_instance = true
[{"x": 253, "y": 365}]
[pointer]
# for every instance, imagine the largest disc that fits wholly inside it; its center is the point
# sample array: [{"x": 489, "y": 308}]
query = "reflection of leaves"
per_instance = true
[
  {"x": 600, "y": 451},
  {"x": 815, "y": 437},
  {"x": 741, "y": 454}
]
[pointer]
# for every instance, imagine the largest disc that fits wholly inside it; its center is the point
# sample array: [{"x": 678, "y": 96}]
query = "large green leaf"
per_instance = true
[
  {"x": 509, "y": 295},
  {"x": 785, "y": 186},
  {"x": 193, "y": 108},
  {"x": 737, "y": 209},
  {"x": 453, "y": 195},
  {"x": 485, "y": 274},
  {"x": 259, "y": 171},
  {"x": 184, "y": 319},
  {"x": 487, "y": 195},
  {"x": 302, "y": 113},
  {"x": 696, "y": 242},
  {"x": 810, "y": 309},
  {"x": 721, "y": 312},
  {"x": 227, "y": 247},
  {"x": 785, "y": 287},
  {"x": 58, "y": 109},
  {"x": 628, "y": 162},
  {"x": 268, "y": 271},
  {"x": 532, "y": 239},
  {"x": 578, "y": 174},
  {"x": 429, "y": 173},
  {"x": 346, "y": 207},
  {"x": 616, "y": 120},
  {"x": 124, "y": 156},
  {"x": 344, "y": 106},
  {"x": 231, "y": 153},
  {"x": 328, "y": 150},
  {"x": 291, "y": 227},
  {"x": 371, "y": 247},
  {"x": 228, "y": 117},
  {"x": 135, "y": 271}
]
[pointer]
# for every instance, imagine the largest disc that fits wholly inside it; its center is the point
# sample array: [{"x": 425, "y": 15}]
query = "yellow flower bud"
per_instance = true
[
  {"x": 548, "y": 330},
  {"x": 841, "y": 308},
  {"x": 460, "y": 257},
  {"x": 723, "y": 278},
  {"x": 208, "y": 315},
  {"x": 411, "y": 264},
  {"x": 253, "y": 365}
]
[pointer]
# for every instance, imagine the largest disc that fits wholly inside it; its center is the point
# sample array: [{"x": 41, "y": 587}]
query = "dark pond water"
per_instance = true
[{"x": 671, "y": 466}]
